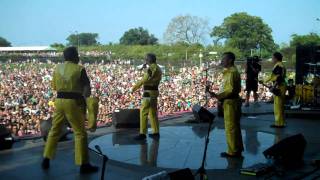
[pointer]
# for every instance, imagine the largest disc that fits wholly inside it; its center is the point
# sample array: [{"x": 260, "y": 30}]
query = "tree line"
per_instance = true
[{"x": 186, "y": 35}]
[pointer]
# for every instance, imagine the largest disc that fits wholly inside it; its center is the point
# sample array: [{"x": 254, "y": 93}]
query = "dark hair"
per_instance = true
[
  {"x": 71, "y": 54},
  {"x": 278, "y": 56},
  {"x": 151, "y": 58},
  {"x": 230, "y": 55}
]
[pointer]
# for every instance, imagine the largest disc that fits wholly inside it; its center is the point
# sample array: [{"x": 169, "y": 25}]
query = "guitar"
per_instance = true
[
  {"x": 212, "y": 94},
  {"x": 274, "y": 88}
]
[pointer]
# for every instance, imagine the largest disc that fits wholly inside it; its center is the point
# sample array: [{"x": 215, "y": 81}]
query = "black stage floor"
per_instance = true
[{"x": 181, "y": 145}]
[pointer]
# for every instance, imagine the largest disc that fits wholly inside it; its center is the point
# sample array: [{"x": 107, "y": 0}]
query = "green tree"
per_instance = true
[
  {"x": 4, "y": 42},
  {"x": 57, "y": 45},
  {"x": 311, "y": 39},
  {"x": 188, "y": 29},
  {"x": 244, "y": 32},
  {"x": 138, "y": 36},
  {"x": 83, "y": 39},
  {"x": 289, "y": 51}
]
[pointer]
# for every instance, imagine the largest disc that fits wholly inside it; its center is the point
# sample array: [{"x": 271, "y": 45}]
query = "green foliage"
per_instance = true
[
  {"x": 83, "y": 39},
  {"x": 138, "y": 36},
  {"x": 289, "y": 51},
  {"x": 311, "y": 39},
  {"x": 59, "y": 46},
  {"x": 4, "y": 42},
  {"x": 244, "y": 32}
]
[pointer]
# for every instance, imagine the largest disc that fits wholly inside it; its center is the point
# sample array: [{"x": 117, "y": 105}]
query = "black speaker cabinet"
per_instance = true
[
  {"x": 6, "y": 140},
  {"x": 307, "y": 61},
  {"x": 45, "y": 127},
  {"x": 201, "y": 114},
  {"x": 184, "y": 174},
  {"x": 289, "y": 151},
  {"x": 126, "y": 118}
]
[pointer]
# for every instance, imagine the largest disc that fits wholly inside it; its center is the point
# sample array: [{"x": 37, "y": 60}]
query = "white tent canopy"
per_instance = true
[
  {"x": 26, "y": 48},
  {"x": 140, "y": 66}
]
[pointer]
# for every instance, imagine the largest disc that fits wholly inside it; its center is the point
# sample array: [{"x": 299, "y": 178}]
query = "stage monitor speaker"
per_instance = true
[
  {"x": 201, "y": 114},
  {"x": 307, "y": 60},
  {"x": 46, "y": 125},
  {"x": 184, "y": 174},
  {"x": 287, "y": 152},
  {"x": 126, "y": 118},
  {"x": 6, "y": 140}
]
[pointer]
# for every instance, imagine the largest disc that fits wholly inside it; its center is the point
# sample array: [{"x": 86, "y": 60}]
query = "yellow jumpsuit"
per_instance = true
[
  {"x": 93, "y": 110},
  {"x": 66, "y": 78},
  {"x": 278, "y": 76},
  {"x": 150, "y": 82},
  {"x": 229, "y": 95}
]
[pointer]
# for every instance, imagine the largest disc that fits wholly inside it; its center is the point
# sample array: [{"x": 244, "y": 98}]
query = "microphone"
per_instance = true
[
  {"x": 208, "y": 68},
  {"x": 143, "y": 66}
]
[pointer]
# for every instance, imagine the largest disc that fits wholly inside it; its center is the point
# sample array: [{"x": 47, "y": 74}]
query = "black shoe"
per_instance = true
[
  {"x": 140, "y": 137},
  {"x": 88, "y": 168},
  {"x": 275, "y": 126},
  {"x": 45, "y": 163},
  {"x": 154, "y": 136},
  {"x": 226, "y": 155}
]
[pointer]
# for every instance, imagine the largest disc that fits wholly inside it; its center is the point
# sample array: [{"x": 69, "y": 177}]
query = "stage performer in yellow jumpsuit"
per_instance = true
[
  {"x": 150, "y": 83},
  {"x": 278, "y": 78},
  {"x": 72, "y": 84},
  {"x": 229, "y": 96}
]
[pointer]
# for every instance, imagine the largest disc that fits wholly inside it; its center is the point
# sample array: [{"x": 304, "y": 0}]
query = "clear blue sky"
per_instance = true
[{"x": 43, "y": 22}]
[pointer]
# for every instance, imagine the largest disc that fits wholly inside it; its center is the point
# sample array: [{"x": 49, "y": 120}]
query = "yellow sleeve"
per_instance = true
[
  {"x": 228, "y": 87},
  {"x": 271, "y": 78},
  {"x": 53, "y": 82},
  {"x": 149, "y": 74},
  {"x": 141, "y": 82}
]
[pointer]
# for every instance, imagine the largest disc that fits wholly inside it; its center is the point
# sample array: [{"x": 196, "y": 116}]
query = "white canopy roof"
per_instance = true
[
  {"x": 27, "y": 48},
  {"x": 140, "y": 66}
]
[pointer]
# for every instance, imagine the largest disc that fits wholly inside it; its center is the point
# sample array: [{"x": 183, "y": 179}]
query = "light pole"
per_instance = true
[
  {"x": 200, "y": 56},
  {"x": 259, "y": 47},
  {"x": 186, "y": 57}
]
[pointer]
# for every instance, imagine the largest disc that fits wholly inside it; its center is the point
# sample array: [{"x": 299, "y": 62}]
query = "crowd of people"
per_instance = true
[{"x": 26, "y": 97}]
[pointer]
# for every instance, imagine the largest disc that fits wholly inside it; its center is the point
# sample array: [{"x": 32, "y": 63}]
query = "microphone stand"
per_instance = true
[
  {"x": 206, "y": 70},
  {"x": 104, "y": 157},
  {"x": 202, "y": 171}
]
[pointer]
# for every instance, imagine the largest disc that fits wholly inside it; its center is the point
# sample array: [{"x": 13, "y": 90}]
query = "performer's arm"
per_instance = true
[
  {"x": 228, "y": 90},
  {"x": 86, "y": 83},
  {"x": 53, "y": 82},
  {"x": 275, "y": 74},
  {"x": 147, "y": 76}
]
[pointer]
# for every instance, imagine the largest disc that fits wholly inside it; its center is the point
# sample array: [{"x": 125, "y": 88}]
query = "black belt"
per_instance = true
[
  {"x": 146, "y": 94},
  {"x": 150, "y": 88},
  {"x": 232, "y": 97},
  {"x": 69, "y": 95}
]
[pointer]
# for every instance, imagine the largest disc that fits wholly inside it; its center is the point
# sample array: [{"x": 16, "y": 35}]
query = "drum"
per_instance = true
[{"x": 305, "y": 93}]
